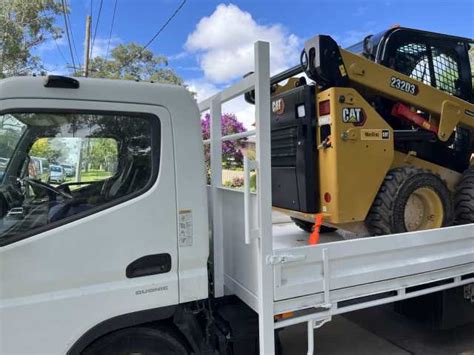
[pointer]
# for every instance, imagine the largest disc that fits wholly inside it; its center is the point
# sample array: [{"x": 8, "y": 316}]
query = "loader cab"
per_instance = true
[{"x": 439, "y": 60}]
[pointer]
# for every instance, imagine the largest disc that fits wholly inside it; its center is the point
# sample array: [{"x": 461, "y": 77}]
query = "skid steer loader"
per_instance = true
[{"x": 380, "y": 140}]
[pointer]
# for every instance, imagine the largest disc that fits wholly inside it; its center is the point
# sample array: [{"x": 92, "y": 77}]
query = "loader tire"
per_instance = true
[
  {"x": 308, "y": 226},
  {"x": 464, "y": 198},
  {"x": 410, "y": 199}
]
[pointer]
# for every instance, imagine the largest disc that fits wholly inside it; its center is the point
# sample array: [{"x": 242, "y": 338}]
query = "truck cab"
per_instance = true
[{"x": 128, "y": 233}]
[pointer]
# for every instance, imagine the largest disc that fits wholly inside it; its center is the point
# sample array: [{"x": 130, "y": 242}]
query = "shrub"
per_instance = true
[{"x": 231, "y": 154}]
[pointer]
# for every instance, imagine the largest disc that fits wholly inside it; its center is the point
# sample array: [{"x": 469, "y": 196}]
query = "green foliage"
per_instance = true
[
  {"x": 131, "y": 62},
  {"x": 25, "y": 24},
  {"x": 10, "y": 132},
  {"x": 51, "y": 149},
  {"x": 103, "y": 153}
]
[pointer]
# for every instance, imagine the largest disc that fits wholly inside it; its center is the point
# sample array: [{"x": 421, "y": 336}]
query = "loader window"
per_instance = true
[
  {"x": 412, "y": 59},
  {"x": 446, "y": 71},
  {"x": 64, "y": 166},
  {"x": 433, "y": 63}
]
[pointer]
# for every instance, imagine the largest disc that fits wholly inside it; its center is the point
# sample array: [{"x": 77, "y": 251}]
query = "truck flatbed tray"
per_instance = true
[{"x": 271, "y": 267}]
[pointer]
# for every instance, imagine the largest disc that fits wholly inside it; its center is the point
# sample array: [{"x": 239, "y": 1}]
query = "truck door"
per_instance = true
[{"x": 99, "y": 245}]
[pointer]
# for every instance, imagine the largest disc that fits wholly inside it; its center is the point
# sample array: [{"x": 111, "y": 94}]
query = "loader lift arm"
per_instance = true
[{"x": 328, "y": 64}]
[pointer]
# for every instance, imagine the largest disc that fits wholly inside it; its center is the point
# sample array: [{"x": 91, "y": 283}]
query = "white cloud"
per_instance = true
[
  {"x": 100, "y": 46},
  {"x": 224, "y": 44},
  {"x": 202, "y": 88},
  {"x": 244, "y": 112}
]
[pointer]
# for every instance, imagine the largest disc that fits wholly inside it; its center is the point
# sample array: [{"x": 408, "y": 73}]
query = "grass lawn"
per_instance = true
[{"x": 92, "y": 175}]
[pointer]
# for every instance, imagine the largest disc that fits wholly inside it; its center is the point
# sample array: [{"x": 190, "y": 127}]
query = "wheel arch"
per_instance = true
[{"x": 120, "y": 322}]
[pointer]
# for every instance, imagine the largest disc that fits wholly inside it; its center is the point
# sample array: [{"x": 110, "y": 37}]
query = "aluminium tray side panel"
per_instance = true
[
  {"x": 240, "y": 259},
  {"x": 368, "y": 260}
]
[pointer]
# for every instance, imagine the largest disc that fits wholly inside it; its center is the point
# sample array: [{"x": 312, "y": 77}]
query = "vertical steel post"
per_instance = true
[
  {"x": 264, "y": 196},
  {"x": 310, "y": 329},
  {"x": 216, "y": 182}
]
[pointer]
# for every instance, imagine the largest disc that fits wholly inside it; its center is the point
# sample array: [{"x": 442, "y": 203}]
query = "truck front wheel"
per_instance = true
[{"x": 138, "y": 340}]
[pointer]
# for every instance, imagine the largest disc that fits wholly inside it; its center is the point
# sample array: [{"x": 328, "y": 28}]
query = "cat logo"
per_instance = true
[
  {"x": 353, "y": 115},
  {"x": 278, "y": 106}
]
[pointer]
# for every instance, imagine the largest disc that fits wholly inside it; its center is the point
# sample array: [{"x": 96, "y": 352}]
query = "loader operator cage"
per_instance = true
[{"x": 442, "y": 61}]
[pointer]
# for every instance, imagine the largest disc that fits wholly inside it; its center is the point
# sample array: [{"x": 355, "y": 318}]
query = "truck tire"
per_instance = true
[
  {"x": 464, "y": 198},
  {"x": 308, "y": 226},
  {"x": 138, "y": 340},
  {"x": 410, "y": 199}
]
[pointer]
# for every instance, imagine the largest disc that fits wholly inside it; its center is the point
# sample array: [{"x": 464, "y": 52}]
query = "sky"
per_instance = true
[{"x": 210, "y": 43}]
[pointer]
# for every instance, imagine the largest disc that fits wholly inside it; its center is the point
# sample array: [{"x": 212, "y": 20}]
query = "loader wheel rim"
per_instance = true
[{"x": 423, "y": 210}]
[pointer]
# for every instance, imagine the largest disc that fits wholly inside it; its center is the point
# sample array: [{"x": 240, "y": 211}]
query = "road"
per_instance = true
[{"x": 379, "y": 330}]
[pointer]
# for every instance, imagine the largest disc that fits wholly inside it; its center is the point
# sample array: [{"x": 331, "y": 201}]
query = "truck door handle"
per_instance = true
[{"x": 149, "y": 265}]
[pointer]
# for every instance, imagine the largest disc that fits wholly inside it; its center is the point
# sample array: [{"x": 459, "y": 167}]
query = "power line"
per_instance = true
[
  {"x": 111, "y": 28},
  {"x": 178, "y": 9},
  {"x": 67, "y": 34},
  {"x": 60, "y": 51},
  {"x": 96, "y": 26},
  {"x": 165, "y": 24},
  {"x": 72, "y": 36}
]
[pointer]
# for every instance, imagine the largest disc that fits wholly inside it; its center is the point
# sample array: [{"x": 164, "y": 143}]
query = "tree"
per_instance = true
[
  {"x": 103, "y": 154},
  {"x": 52, "y": 149},
  {"x": 131, "y": 62},
  {"x": 231, "y": 154},
  {"x": 11, "y": 131},
  {"x": 25, "y": 24}
]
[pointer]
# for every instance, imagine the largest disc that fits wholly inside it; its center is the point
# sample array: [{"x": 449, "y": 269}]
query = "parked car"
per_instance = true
[
  {"x": 69, "y": 170},
  {"x": 3, "y": 163},
  {"x": 57, "y": 174}
]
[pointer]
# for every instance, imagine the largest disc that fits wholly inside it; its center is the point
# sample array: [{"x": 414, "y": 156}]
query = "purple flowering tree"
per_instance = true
[{"x": 231, "y": 154}]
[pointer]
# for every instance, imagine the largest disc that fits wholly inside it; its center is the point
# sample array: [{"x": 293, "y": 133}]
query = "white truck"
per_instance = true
[{"x": 136, "y": 262}]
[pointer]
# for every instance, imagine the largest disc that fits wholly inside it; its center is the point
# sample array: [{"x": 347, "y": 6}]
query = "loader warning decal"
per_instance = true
[
  {"x": 374, "y": 134},
  {"x": 185, "y": 228},
  {"x": 354, "y": 115}
]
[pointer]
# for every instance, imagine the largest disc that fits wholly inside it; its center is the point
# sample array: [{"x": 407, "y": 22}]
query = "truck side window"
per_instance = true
[{"x": 57, "y": 167}]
